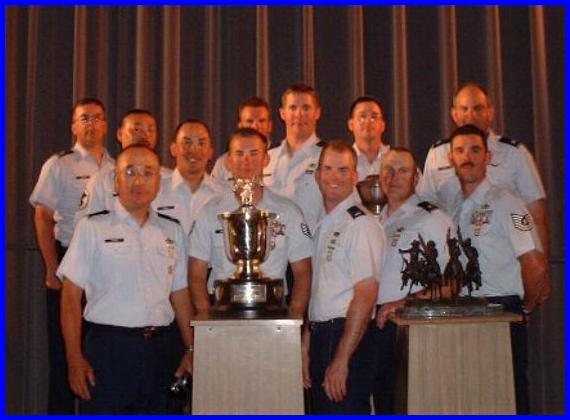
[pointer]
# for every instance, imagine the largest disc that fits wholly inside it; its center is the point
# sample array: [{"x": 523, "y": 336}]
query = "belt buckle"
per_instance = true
[{"x": 148, "y": 332}]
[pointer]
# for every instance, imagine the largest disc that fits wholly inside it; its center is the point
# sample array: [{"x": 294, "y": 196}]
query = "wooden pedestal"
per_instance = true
[
  {"x": 247, "y": 366},
  {"x": 457, "y": 365}
]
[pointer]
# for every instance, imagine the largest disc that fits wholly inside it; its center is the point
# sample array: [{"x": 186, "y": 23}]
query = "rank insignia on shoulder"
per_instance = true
[
  {"x": 512, "y": 142},
  {"x": 355, "y": 211},
  {"x": 306, "y": 230},
  {"x": 114, "y": 240},
  {"x": 311, "y": 168},
  {"x": 440, "y": 143},
  {"x": 427, "y": 206},
  {"x": 99, "y": 213},
  {"x": 65, "y": 153},
  {"x": 522, "y": 221},
  {"x": 444, "y": 168},
  {"x": 321, "y": 143},
  {"x": 167, "y": 217}
]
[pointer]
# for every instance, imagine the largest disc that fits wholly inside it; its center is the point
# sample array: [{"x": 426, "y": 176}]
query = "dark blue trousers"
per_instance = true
[
  {"x": 132, "y": 372},
  {"x": 324, "y": 341},
  {"x": 61, "y": 399},
  {"x": 385, "y": 381}
]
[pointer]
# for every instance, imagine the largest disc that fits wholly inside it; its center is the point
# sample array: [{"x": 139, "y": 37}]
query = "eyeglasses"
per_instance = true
[
  {"x": 131, "y": 172},
  {"x": 95, "y": 119},
  {"x": 371, "y": 117}
]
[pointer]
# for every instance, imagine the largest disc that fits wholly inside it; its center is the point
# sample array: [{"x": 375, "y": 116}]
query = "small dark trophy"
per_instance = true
[
  {"x": 421, "y": 268},
  {"x": 371, "y": 194}
]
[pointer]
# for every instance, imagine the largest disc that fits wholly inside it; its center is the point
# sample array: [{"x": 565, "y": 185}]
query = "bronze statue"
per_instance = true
[
  {"x": 453, "y": 274},
  {"x": 432, "y": 278},
  {"x": 411, "y": 269},
  {"x": 472, "y": 269}
]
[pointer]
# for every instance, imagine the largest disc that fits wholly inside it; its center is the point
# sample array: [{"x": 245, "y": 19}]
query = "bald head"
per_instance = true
[{"x": 471, "y": 105}]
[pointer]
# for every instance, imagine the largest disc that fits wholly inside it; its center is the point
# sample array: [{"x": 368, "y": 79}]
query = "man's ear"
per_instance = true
[
  {"x": 453, "y": 114},
  {"x": 318, "y": 112},
  {"x": 491, "y": 113},
  {"x": 173, "y": 149},
  {"x": 120, "y": 136},
  {"x": 350, "y": 124},
  {"x": 266, "y": 159}
]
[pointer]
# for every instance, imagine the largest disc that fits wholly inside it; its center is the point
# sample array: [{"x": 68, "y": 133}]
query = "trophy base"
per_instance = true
[
  {"x": 250, "y": 297},
  {"x": 462, "y": 306}
]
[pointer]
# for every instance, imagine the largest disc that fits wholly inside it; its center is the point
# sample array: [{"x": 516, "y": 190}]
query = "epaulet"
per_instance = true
[
  {"x": 65, "y": 153},
  {"x": 355, "y": 212},
  {"x": 512, "y": 142},
  {"x": 427, "y": 206},
  {"x": 167, "y": 217},
  {"x": 439, "y": 143},
  {"x": 321, "y": 143},
  {"x": 99, "y": 213}
]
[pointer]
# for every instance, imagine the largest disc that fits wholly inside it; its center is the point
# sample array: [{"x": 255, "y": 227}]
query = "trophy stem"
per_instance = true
[{"x": 248, "y": 268}]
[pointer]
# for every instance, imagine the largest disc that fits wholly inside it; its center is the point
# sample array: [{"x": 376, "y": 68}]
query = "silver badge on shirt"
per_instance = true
[{"x": 480, "y": 217}]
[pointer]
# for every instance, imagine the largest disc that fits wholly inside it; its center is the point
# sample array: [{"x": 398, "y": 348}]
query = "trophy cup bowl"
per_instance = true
[
  {"x": 371, "y": 193},
  {"x": 247, "y": 239},
  {"x": 246, "y": 235}
]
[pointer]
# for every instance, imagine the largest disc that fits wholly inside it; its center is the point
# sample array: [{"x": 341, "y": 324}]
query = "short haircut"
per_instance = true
[
  {"x": 300, "y": 88},
  {"x": 363, "y": 99},
  {"x": 136, "y": 111},
  {"x": 400, "y": 149},
  {"x": 468, "y": 130},
  {"x": 474, "y": 85},
  {"x": 248, "y": 132},
  {"x": 338, "y": 146},
  {"x": 87, "y": 101},
  {"x": 137, "y": 146},
  {"x": 254, "y": 102},
  {"x": 192, "y": 121}
]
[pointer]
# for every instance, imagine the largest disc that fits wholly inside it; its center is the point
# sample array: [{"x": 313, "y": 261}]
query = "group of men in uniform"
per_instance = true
[{"x": 147, "y": 244}]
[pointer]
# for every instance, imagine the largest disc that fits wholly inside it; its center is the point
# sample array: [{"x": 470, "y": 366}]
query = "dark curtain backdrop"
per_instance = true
[{"x": 183, "y": 61}]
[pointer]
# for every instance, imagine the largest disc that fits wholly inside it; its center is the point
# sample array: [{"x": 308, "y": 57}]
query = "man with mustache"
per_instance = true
[
  {"x": 499, "y": 226},
  {"x": 511, "y": 165},
  {"x": 138, "y": 126}
]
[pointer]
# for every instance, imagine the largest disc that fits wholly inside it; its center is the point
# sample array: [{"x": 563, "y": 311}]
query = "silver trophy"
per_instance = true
[
  {"x": 247, "y": 234},
  {"x": 371, "y": 194}
]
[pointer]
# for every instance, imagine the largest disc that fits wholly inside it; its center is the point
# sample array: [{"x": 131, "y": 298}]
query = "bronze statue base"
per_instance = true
[
  {"x": 253, "y": 296},
  {"x": 462, "y": 306}
]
